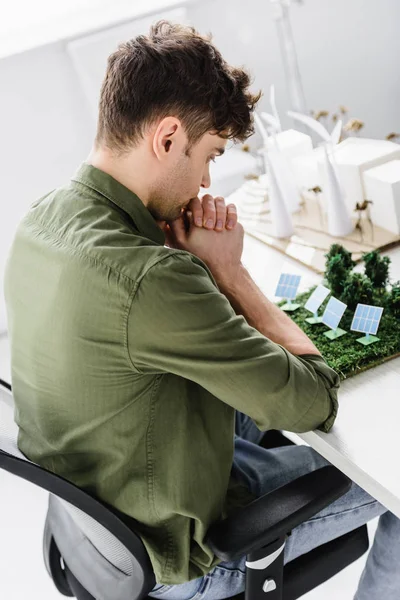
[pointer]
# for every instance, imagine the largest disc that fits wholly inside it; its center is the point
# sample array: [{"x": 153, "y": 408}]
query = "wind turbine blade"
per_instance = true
[
  {"x": 261, "y": 128},
  {"x": 270, "y": 120},
  {"x": 312, "y": 124},
  {"x": 336, "y": 132},
  {"x": 281, "y": 218},
  {"x": 339, "y": 221},
  {"x": 273, "y": 106}
]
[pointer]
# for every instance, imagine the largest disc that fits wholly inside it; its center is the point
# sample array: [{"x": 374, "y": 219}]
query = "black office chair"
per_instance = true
[{"x": 92, "y": 552}]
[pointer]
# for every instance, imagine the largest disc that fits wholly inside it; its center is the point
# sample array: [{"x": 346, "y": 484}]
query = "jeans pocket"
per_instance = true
[{"x": 203, "y": 589}]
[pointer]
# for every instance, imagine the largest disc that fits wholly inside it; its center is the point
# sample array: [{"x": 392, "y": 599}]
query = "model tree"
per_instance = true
[
  {"x": 377, "y": 269},
  {"x": 393, "y": 302},
  {"x": 357, "y": 290},
  {"x": 337, "y": 249},
  {"x": 336, "y": 275},
  {"x": 338, "y": 266}
]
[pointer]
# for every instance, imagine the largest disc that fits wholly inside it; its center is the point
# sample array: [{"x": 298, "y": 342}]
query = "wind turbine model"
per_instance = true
[
  {"x": 273, "y": 119},
  {"x": 283, "y": 169},
  {"x": 339, "y": 221},
  {"x": 280, "y": 14},
  {"x": 280, "y": 215}
]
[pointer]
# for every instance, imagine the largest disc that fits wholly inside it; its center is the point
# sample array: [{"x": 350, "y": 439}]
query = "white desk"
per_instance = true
[{"x": 363, "y": 442}]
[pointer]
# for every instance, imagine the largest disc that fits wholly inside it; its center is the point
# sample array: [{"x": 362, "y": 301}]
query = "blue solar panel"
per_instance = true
[
  {"x": 333, "y": 313},
  {"x": 367, "y": 318},
  {"x": 288, "y": 286},
  {"x": 317, "y": 298}
]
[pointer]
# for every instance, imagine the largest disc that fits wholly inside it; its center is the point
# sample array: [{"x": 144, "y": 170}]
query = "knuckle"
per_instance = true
[
  {"x": 195, "y": 208},
  {"x": 195, "y": 203}
]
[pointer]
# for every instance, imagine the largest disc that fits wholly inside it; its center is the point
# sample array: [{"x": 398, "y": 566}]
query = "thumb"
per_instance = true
[
  {"x": 170, "y": 239},
  {"x": 178, "y": 229}
]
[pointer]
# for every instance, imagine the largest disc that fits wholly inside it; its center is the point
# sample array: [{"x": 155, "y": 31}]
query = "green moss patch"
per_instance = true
[{"x": 345, "y": 354}]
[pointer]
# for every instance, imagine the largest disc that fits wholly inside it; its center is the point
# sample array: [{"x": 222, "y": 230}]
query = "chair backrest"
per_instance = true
[{"x": 96, "y": 541}]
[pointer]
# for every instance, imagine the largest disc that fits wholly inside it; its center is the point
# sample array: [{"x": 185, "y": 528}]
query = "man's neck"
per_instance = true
[{"x": 129, "y": 169}]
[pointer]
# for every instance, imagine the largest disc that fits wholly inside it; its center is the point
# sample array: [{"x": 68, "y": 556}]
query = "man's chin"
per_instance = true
[{"x": 179, "y": 211}]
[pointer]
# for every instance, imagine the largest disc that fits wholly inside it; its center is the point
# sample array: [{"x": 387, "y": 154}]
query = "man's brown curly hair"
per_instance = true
[{"x": 173, "y": 71}]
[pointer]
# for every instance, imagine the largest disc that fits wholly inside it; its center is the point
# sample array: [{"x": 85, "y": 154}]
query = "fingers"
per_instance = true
[
  {"x": 212, "y": 213},
  {"x": 196, "y": 208},
  {"x": 209, "y": 211},
  {"x": 178, "y": 230},
  {"x": 220, "y": 217},
  {"x": 231, "y": 216},
  {"x": 170, "y": 239}
]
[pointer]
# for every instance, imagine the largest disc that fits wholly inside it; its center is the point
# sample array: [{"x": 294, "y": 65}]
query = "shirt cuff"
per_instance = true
[{"x": 331, "y": 381}]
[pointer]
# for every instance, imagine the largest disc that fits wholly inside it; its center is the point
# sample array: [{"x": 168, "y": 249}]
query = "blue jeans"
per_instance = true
[{"x": 262, "y": 471}]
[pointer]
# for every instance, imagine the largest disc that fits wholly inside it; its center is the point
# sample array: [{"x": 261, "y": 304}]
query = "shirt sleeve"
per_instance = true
[{"x": 180, "y": 323}]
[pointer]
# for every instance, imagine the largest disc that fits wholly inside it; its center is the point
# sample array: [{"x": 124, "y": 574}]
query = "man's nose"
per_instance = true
[{"x": 206, "y": 181}]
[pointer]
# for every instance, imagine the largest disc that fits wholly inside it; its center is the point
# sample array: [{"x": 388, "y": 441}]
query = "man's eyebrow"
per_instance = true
[{"x": 221, "y": 151}]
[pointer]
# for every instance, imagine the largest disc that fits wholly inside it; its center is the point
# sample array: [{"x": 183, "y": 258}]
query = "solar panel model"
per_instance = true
[
  {"x": 314, "y": 302},
  {"x": 366, "y": 320},
  {"x": 334, "y": 311},
  {"x": 287, "y": 289}
]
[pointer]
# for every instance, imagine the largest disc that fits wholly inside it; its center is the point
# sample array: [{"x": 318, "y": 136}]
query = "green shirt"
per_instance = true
[{"x": 128, "y": 364}]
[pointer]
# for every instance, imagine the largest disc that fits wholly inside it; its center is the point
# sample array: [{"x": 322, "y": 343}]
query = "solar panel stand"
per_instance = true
[
  {"x": 314, "y": 302},
  {"x": 334, "y": 334},
  {"x": 315, "y": 320},
  {"x": 290, "y": 306},
  {"x": 287, "y": 289},
  {"x": 366, "y": 320},
  {"x": 367, "y": 339}
]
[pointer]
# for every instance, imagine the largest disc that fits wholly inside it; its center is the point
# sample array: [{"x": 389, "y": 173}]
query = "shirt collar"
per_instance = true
[{"x": 113, "y": 190}]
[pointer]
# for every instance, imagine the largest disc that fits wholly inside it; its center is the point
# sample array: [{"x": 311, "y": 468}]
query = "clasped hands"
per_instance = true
[
  {"x": 210, "y": 230},
  {"x": 206, "y": 212}
]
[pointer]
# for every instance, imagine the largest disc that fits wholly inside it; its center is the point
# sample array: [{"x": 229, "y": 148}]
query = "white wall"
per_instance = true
[
  {"x": 45, "y": 132},
  {"x": 348, "y": 53}
]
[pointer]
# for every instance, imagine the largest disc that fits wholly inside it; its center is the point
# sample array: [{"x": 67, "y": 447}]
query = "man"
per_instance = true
[{"x": 129, "y": 357}]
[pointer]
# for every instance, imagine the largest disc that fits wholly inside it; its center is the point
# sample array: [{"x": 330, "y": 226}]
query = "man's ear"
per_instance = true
[{"x": 169, "y": 138}]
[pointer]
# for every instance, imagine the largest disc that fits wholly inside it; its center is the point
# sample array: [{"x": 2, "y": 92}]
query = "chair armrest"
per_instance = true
[{"x": 275, "y": 514}]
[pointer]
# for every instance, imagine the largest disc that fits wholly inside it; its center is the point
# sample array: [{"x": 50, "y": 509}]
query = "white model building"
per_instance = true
[
  {"x": 305, "y": 169},
  {"x": 382, "y": 186},
  {"x": 291, "y": 143},
  {"x": 339, "y": 220},
  {"x": 353, "y": 156}
]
